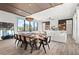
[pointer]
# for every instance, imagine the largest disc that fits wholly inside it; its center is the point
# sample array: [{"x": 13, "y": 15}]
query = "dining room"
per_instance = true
[{"x": 38, "y": 29}]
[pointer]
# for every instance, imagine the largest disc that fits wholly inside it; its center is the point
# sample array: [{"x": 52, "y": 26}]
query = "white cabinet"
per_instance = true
[{"x": 60, "y": 36}]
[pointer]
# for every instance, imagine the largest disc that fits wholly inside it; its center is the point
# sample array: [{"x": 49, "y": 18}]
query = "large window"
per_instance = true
[
  {"x": 20, "y": 25},
  {"x": 31, "y": 26},
  {"x": 24, "y": 25}
]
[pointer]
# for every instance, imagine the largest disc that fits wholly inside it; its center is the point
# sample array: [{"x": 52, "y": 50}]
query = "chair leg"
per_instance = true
[
  {"x": 26, "y": 46},
  {"x": 18, "y": 43},
  {"x": 21, "y": 44},
  {"x": 40, "y": 46},
  {"x": 15, "y": 41},
  {"x": 36, "y": 46},
  {"x": 48, "y": 46},
  {"x": 31, "y": 47},
  {"x": 44, "y": 48}
]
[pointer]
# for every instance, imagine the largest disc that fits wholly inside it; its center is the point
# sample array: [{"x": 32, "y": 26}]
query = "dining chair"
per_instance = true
[
  {"x": 27, "y": 41},
  {"x": 45, "y": 42},
  {"x": 23, "y": 40},
  {"x": 19, "y": 39},
  {"x": 16, "y": 37},
  {"x": 34, "y": 43}
]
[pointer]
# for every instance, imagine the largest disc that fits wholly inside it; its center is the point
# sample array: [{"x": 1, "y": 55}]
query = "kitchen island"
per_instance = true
[{"x": 57, "y": 35}]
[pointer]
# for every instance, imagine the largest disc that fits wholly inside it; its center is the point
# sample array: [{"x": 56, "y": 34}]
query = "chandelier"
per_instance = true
[{"x": 29, "y": 18}]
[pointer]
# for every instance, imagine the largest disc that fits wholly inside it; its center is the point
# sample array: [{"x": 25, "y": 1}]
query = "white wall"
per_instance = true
[
  {"x": 39, "y": 26},
  {"x": 63, "y": 11},
  {"x": 12, "y": 18},
  {"x": 9, "y": 17},
  {"x": 76, "y": 26},
  {"x": 54, "y": 23},
  {"x": 69, "y": 26}
]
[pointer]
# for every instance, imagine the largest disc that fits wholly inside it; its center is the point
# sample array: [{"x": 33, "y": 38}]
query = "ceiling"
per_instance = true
[
  {"x": 64, "y": 11},
  {"x": 26, "y": 9}
]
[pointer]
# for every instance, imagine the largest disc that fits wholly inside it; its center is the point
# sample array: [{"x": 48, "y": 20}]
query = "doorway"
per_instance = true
[{"x": 6, "y": 30}]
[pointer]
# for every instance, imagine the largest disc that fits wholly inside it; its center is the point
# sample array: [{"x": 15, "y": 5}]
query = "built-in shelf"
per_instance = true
[
  {"x": 46, "y": 25},
  {"x": 62, "y": 24}
]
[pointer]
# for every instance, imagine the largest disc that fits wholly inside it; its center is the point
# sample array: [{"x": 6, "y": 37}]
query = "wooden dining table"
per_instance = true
[
  {"x": 34, "y": 39},
  {"x": 34, "y": 36}
]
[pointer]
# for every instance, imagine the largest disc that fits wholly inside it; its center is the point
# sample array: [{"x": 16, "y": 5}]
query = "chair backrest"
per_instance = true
[
  {"x": 15, "y": 36},
  {"x": 24, "y": 38},
  {"x": 19, "y": 37},
  {"x": 49, "y": 39}
]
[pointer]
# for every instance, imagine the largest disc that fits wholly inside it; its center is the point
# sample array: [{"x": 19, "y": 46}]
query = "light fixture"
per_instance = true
[{"x": 29, "y": 18}]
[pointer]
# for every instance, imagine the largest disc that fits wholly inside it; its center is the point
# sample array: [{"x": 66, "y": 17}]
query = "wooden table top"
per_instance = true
[{"x": 35, "y": 36}]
